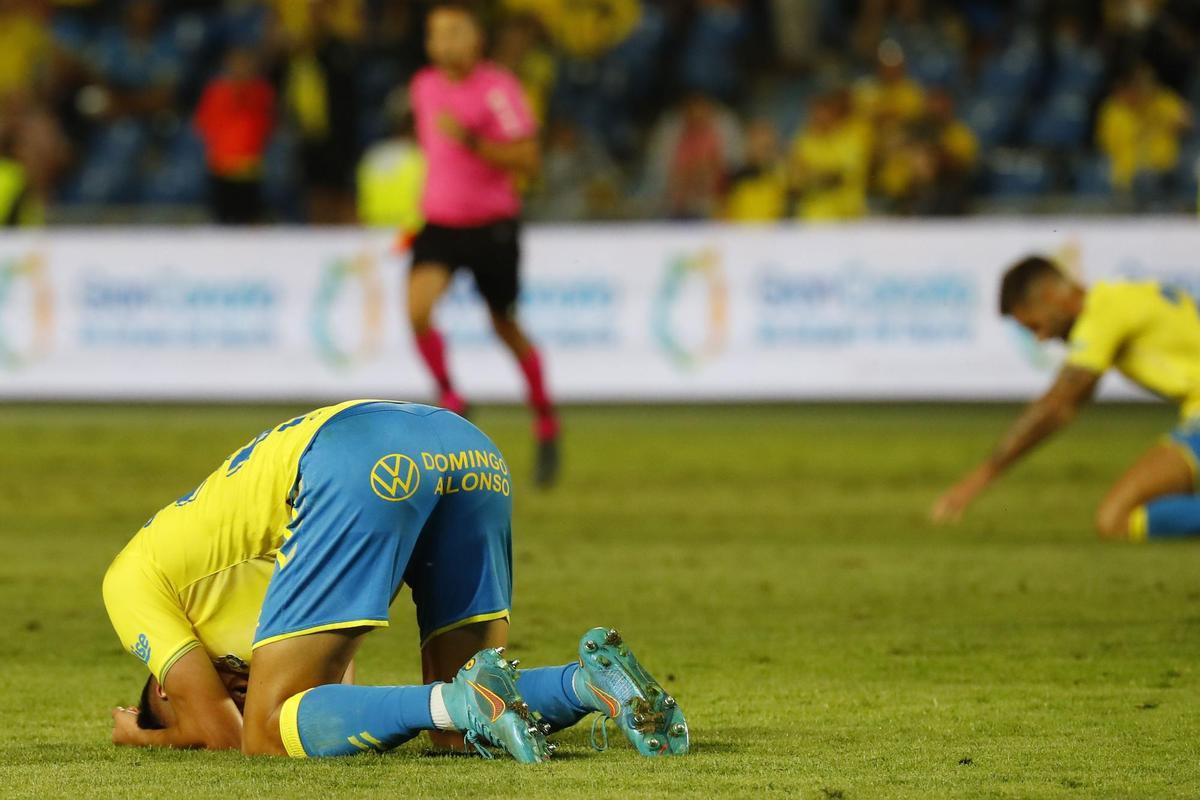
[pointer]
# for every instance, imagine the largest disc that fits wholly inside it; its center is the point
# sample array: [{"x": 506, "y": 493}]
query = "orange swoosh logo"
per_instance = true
[
  {"x": 614, "y": 707},
  {"x": 491, "y": 697}
]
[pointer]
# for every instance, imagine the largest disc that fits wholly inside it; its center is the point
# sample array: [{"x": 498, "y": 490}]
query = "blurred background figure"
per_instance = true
[
  {"x": 979, "y": 106},
  {"x": 322, "y": 41},
  {"x": 235, "y": 119},
  {"x": 1141, "y": 129},
  {"x": 926, "y": 166},
  {"x": 758, "y": 188},
  {"x": 693, "y": 149},
  {"x": 830, "y": 160},
  {"x": 391, "y": 176},
  {"x": 578, "y": 180},
  {"x": 520, "y": 47}
]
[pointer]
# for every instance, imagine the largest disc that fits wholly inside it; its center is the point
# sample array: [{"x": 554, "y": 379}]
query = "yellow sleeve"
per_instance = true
[
  {"x": 1111, "y": 314},
  {"x": 146, "y": 615}
]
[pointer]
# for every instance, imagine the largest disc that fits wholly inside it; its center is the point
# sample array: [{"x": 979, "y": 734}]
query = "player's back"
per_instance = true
[
  {"x": 1149, "y": 331},
  {"x": 207, "y": 557}
]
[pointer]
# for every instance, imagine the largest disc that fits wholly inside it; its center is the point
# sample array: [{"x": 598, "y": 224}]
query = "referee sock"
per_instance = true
[
  {"x": 340, "y": 720},
  {"x": 1170, "y": 517},
  {"x": 551, "y": 691},
  {"x": 546, "y": 425},
  {"x": 432, "y": 348}
]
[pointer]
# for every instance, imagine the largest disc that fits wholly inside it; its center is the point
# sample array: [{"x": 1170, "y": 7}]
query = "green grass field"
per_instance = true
[{"x": 772, "y": 565}]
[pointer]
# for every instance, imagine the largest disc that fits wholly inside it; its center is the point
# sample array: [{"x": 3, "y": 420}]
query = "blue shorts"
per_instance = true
[
  {"x": 1187, "y": 438},
  {"x": 392, "y": 493}
]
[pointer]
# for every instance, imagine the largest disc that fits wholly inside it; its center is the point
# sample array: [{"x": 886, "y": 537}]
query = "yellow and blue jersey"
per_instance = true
[
  {"x": 1148, "y": 332},
  {"x": 196, "y": 574},
  {"x": 314, "y": 525}
]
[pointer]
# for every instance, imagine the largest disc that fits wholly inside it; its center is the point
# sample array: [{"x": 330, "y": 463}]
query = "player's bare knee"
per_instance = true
[
  {"x": 421, "y": 319},
  {"x": 263, "y": 739},
  {"x": 509, "y": 331},
  {"x": 1112, "y": 521}
]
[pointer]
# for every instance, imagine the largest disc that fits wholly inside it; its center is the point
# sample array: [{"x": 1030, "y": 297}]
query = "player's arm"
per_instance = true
[
  {"x": 1045, "y": 416},
  {"x": 521, "y": 156},
  {"x": 205, "y": 716}
]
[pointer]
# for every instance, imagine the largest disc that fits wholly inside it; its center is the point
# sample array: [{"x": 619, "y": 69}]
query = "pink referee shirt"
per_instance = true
[{"x": 461, "y": 189}]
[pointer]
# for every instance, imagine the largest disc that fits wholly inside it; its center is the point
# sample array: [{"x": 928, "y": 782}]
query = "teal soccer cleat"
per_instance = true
[
  {"x": 612, "y": 681},
  {"x": 484, "y": 704}
]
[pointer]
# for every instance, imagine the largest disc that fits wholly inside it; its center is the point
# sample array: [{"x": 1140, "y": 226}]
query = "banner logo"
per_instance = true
[
  {"x": 339, "y": 348},
  {"x": 26, "y": 324},
  {"x": 395, "y": 477},
  {"x": 690, "y": 340}
]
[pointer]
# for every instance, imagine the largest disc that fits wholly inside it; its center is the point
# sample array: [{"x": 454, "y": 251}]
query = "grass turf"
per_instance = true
[{"x": 772, "y": 565}]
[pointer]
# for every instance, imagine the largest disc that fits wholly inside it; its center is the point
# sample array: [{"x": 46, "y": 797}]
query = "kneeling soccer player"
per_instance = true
[
  {"x": 1151, "y": 334},
  {"x": 309, "y": 531}
]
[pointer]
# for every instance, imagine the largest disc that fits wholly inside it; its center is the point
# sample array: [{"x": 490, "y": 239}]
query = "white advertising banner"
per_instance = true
[{"x": 644, "y": 312}]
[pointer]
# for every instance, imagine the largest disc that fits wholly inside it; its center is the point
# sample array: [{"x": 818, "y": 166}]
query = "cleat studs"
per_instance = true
[
  {"x": 669, "y": 701},
  {"x": 589, "y": 645},
  {"x": 653, "y": 743},
  {"x": 551, "y": 748},
  {"x": 612, "y": 637},
  {"x": 546, "y": 729},
  {"x": 499, "y": 651},
  {"x": 678, "y": 729},
  {"x": 516, "y": 662}
]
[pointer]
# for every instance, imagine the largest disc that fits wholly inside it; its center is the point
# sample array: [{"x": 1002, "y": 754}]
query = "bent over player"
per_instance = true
[
  {"x": 1151, "y": 334},
  {"x": 479, "y": 138},
  {"x": 294, "y": 548}
]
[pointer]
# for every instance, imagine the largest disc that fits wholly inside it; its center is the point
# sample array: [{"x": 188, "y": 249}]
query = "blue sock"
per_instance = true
[
  {"x": 551, "y": 691},
  {"x": 338, "y": 720},
  {"x": 1171, "y": 517}
]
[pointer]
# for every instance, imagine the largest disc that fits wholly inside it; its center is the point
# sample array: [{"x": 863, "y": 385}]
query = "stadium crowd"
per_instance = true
[{"x": 750, "y": 110}]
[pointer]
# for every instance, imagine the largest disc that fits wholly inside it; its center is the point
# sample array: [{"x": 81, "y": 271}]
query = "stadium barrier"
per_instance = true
[{"x": 648, "y": 312}]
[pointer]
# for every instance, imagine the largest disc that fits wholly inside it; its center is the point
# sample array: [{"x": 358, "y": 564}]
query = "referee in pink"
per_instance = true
[{"x": 479, "y": 139}]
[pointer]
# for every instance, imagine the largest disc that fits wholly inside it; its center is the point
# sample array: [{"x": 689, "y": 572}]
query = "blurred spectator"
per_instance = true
[
  {"x": 795, "y": 26},
  {"x": 583, "y": 29},
  {"x": 1140, "y": 127},
  {"x": 830, "y": 161},
  {"x": 301, "y": 20},
  {"x": 16, "y": 203},
  {"x": 890, "y": 99},
  {"x": 518, "y": 47},
  {"x": 139, "y": 64},
  {"x": 24, "y": 46},
  {"x": 391, "y": 176},
  {"x": 926, "y": 167},
  {"x": 711, "y": 60},
  {"x": 758, "y": 190},
  {"x": 118, "y": 76},
  {"x": 235, "y": 118},
  {"x": 578, "y": 179},
  {"x": 322, "y": 95},
  {"x": 32, "y": 139},
  {"x": 693, "y": 149}
]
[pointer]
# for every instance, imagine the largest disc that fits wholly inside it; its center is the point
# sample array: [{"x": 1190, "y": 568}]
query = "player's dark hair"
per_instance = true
[
  {"x": 1020, "y": 278},
  {"x": 147, "y": 720}
]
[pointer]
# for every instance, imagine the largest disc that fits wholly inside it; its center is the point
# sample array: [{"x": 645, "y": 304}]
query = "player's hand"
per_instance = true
[
  {"x": 951, "y": 506},
  {"x": 450, "y": 127},
  {"x": 125, "y": 727}
]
